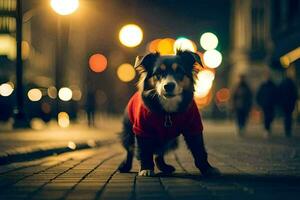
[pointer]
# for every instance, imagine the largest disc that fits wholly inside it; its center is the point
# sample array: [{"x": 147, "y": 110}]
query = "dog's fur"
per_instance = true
[{"x": 166, "y": 85}]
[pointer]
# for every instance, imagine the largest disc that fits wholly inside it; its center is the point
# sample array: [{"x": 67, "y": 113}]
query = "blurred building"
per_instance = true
[{"x": 262, "y": 33}]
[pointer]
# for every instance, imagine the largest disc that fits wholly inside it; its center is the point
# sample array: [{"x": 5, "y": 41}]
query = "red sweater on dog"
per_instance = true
[{"x": 153, "y": 125}]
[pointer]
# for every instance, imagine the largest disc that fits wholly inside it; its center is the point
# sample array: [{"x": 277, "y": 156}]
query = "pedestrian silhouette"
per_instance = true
[
  {"x": 287, "y": 98},
  {"x": 266, "y": 99},
  {"x": 242, "y": 103},
  {"x": 90, "y": 107}
]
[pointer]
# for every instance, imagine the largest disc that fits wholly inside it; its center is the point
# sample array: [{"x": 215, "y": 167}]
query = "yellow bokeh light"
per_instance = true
[
  {"x": 52, "y": 92},
  {"x": 131, "y": 35},
  {"x": 8, "y": 46},
  {"x": 6, "y": 89},
  {"x": 165, "y": 46},
  {"x": 34, "y": 94},
  {"x": 212, "y": 58},
  {"x": 64, "y": 7},
  {"x": 204, "y": 83},
  {"x": 65, "y": 94},
  {"x": 184, "y": 44},
  {"x": 208, "y": 41},
  {"x": 25, "y": 50},
  {"x": 37, "y": 124},
  {"x": 72, "y": 145},
  {"x": 126, "y": 72},
  {"x": 63, "y": 119}
]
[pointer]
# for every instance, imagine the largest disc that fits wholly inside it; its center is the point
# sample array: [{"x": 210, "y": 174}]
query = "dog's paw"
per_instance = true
[
  {"x": 211, "y": 172},
  {"x": 124, "y": 167},
  {"x": 163, "y": 167},
  {"x": 146, "y": 172}
]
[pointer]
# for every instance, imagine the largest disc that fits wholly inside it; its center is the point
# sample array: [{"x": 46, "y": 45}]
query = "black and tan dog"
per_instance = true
[{"x": 161, "y": 110}]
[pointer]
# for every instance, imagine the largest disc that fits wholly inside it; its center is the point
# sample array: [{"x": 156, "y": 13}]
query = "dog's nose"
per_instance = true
[{"x": 169, "y": 87}]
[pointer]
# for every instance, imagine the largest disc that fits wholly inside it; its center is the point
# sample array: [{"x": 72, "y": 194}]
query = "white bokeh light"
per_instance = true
[
  {"x": 6, "y": 89},
  {"x": 64, "y": 7},
  {"x": 208, "y": 41},
  {"x": 204, "y": 83},
  {"x": 212, "y": 58},
  {"x": 65, "y": 94},
  {"x": 131, "y": 35}
]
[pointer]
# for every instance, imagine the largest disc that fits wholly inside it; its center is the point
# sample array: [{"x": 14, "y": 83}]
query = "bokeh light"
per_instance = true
[
  {"x": 34, "y": 94},
  {"x": 46, "y": 108},
  {"x": 165, "y": 46},
  {"x": 223, "y": 95},
  {"x": 64, "y": 7},
  {"x": 131, "y": 35},
  {"x": 184, "y": 44},
  {"x": 98, "y": 63},
  {"x": 8, "y": 46},
  {"x": 76, "y": 94},
  {"x": 52, "y": 92},
  {"x": 25, "y": 50},
  {"x": 37, "y": 124},
  {"x": 212, "y": 58},
  {"x": 126, "y": 72},
  {"x": 6, "y": 89},
  {"x": 208, "y": 41},
  {"x": 72, "y": 145},
  {"x": 204, "y": 83},
  {"x": 63, "y": 119},
  {"x": 153, "y": 45},
  {"x": 65, "y": 94}
]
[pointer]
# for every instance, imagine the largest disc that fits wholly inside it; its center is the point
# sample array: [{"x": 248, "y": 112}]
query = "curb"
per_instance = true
[{"x": 27, "y": 154}]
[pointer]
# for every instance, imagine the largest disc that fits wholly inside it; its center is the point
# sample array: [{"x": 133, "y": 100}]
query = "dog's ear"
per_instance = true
[
  {"x": 145, "y": 63},
  {"x": 190, "y": 58}
]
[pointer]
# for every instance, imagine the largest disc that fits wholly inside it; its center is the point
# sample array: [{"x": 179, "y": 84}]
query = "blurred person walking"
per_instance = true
[
  {"x": 287, "y": 99},
  {"x": 90, "y": 106},
  {"x": 242, "y": 103},
  {"x": 266, "y": 99}
]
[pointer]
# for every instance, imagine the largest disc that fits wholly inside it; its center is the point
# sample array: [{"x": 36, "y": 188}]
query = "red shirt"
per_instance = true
[{"x": 153, "y": 124}]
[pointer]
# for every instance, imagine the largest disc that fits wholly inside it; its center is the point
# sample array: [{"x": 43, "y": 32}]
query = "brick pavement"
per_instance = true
[{"x": 252, "y": 169}]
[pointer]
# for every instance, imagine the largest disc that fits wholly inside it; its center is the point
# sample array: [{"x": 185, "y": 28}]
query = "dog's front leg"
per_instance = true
[
  {"x": 196, "y": 144},
  {"x": 145, "y": 148}
]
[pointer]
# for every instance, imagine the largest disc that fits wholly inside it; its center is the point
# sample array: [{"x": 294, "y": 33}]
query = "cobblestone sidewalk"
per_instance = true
[{"x": 252, "y": 169}]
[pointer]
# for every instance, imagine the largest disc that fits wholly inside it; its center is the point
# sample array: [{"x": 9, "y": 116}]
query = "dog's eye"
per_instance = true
[
  {"x": 179, "y": 73},
  {"x": 157, "y": 76}
]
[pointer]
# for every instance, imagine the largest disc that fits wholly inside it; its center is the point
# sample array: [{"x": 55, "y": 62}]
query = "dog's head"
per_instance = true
[{"x": 170, "y": 78}]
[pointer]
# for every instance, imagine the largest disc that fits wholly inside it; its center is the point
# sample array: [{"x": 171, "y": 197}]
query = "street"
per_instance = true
[{"x": 252, "y": 168}]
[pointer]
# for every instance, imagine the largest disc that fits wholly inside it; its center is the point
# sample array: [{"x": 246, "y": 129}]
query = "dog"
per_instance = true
[{"x": 161, "y": 110}]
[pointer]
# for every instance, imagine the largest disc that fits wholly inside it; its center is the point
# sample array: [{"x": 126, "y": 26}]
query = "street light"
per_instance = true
[{"x": 64, "y": 7}]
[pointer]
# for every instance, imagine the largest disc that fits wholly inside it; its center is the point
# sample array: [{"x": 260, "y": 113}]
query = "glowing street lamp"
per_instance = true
[
  {"x": 64, "y": 7},
  {"x": 208, "y": 41},
  {"x": 131, "y": 35}
]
